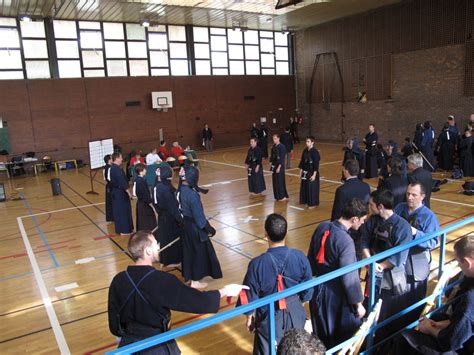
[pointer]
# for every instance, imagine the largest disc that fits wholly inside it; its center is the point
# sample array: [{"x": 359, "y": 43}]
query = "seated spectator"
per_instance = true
[
  {"x": 177, "y": 150},
  {"x": 137, "y": 159},
  {"x": 153, "y": 157},
  {"x": 300, "y": 342},
  {"x": 163, "y": 152},
  {"x": 444, "y": 334}
]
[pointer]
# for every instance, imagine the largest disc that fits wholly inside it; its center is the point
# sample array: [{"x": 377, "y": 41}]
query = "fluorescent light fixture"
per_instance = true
[{"x": 145, "y": 23}]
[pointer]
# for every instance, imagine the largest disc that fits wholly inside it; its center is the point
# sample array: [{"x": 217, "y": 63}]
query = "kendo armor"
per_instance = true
[
  {"x": 419, "y": 258},
  {"x": 274, "y": 158},
  {"x": 308, "y": 167},
  {"x": 393, "y": 279}
]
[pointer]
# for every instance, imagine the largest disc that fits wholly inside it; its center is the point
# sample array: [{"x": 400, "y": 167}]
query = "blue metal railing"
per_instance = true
[{"x": 269, "y": 301}]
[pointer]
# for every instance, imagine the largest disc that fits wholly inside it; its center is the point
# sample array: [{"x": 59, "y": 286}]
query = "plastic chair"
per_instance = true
[{"x": 4, "y": 165}]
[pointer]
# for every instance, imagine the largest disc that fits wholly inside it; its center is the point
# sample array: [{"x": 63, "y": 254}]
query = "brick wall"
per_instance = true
[
  {"x": 409, "y": 58},
  {"x": 59, "y": 117}
]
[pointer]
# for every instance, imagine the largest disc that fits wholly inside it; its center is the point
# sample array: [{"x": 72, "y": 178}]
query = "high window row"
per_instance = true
[{"x": 74, "y": 49}]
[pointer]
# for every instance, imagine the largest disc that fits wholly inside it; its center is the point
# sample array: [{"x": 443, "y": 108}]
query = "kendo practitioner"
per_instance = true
[
  {"x": 309, "y": 173},
  {"x": 382, "y": 161},
  {"x": 392, "y": 152},
  {"x": 142, "y": 297},
  {"x": 417, "y": 173},
  {"x": 287, "y": 140},
  {"x": 199, "y": 257},
  {"x": 427, "y": 143},
  {"x": 422, "y": 221},
  {"x": 446, "y": 148},
  {"x": 382, "y": 231},
  {"x": 418, "y": 136},
  {"x": 336, "y": 307},
  {"x": 170, "y": 221},
  {"x": 254, "y": 165},
  {"x": 407, "y": 148},
  {"x": 352, "y": 151},
  {"x": 352, "y": 187},
  {"x": 207, "y": 138},
  {"x": 278, "y": 268},
  {"x": 146, "y": 213},
  {"x": 109, "y": 214},
  {"x": 447, "y": 333},
  {"x": 466, "y": 148},
  {"x": 263, "y": 140},
  {"x": 395, "y": 182},
  {"x": 453, "y": 129},
  {"x": 122, "y": 209},
  {"x": 277, "y": 167},
  {"x": 370, "y": 141},
  {"x": 254, "y": 131}
]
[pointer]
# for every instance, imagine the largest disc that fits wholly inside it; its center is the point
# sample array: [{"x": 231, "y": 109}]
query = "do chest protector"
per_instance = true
[{"x": 395, "y": 278}]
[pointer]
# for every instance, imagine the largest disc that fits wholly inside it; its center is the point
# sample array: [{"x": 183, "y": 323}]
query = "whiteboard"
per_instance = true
[{"x": 98, "y": 150}]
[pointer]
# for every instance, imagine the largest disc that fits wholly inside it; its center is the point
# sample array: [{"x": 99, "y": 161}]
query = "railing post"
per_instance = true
[
  {"x": 271, "y": 320},
  {"x": 370, "y": 337},
  {"x": 442, "y": 255}
]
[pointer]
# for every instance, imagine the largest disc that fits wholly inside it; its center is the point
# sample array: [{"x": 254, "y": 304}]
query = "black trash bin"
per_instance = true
[{"x": 56, "y": 186}]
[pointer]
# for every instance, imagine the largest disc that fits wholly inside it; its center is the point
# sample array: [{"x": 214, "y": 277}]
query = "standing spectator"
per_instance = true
[
  {"x": 287, "y": 140},
  {"x": 427, "y": 142},
  {"x": 207, "y": 138},
  {"x": 466, "y": 151},
  {"x": 254, "y": 131},
  {"x": 263, "y": 140},
  {"x": 121, "y": 207}
]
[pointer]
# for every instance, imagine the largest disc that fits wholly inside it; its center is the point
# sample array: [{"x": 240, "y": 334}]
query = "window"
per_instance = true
[
  {"x": 282, "y": 54},
  {"x": 219, "y": 51},
  {"x": 158, "y": 50},
  {"x": 33, "y": 36},
  {"x": 177, "y": 50},
  {"x": 99, "y": 49},
  {"x": 67, "y": 48}
]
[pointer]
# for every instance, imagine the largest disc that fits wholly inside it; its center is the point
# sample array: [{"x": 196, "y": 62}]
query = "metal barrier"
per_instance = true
[{"x": 269, "y": 301}]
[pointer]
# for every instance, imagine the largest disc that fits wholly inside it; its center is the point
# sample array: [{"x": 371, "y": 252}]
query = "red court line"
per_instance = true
[
  {"x": 108, "y": 236},
  {"x": 39, "y": 251},
  {"x": 457, "y": 219},
  {"x": 108, "y": 346}
]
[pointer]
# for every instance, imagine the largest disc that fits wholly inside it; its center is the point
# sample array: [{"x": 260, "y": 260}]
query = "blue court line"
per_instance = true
[
  {"x": 40, "y": 232},
  {"x": 59, "y": 266}
]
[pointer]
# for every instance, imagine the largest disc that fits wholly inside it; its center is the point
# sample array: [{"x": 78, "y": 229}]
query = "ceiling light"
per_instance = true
[
  {"x": 25, "y": 18},
  {"x": 145, "y": 23}
]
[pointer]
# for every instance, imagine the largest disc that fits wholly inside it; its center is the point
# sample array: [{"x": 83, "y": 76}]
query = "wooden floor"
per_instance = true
[{"x": 61, "y": 232}]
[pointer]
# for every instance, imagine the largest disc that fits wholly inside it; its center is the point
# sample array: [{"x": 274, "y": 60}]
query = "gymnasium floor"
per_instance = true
[{"x": 77, "y": 253}]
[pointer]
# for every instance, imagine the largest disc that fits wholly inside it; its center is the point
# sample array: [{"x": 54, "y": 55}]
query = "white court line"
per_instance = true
[
  {"x": 331, "y": 162},
  {"x": 61, "y": 210},
  {"x": 452, "y": 202},
  {"x": 339, "y": 183},
  {"x": 53, "y": 319},
  {"x": 84, "y": 260},
  {"x": 66, "y": 287},
  {"x": 248, "y": 206},
  {"x": 296, "y": 208}
]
